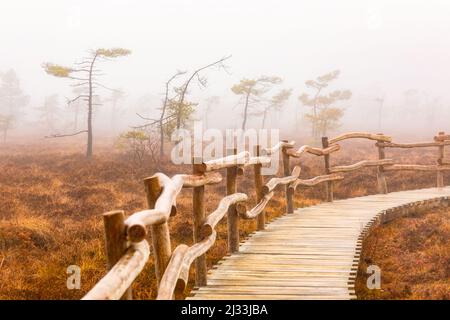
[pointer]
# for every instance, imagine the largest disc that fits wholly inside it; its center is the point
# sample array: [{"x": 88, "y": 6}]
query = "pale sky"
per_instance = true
[{"x": 381, "y": 47}]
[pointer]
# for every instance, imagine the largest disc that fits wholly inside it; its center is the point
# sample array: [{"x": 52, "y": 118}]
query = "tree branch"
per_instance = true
[
  {"x": 69, "y": 101},
  {"x": 65, "y": 135},
  {"x": 103, "y": 86}
]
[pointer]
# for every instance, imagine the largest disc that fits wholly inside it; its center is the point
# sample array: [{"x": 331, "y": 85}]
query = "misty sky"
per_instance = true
[{"x": 382, "y": 47}]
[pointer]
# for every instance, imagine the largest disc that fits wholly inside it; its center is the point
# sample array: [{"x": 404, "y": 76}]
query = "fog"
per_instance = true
[{"x": 397, "y": 51}]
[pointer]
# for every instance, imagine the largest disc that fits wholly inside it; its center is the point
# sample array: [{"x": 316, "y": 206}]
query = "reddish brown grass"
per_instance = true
[
  {"x": 52, "y": 200},
  {"x": 413, "y": 255}
]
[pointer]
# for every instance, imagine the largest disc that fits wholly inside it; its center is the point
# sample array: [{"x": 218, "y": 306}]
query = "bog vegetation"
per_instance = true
[
  {"x": 53, "y": 200},
  {"x": 53, "y": 192}
]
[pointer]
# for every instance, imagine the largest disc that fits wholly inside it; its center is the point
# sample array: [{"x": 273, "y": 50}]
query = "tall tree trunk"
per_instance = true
[
  {"x": 161, "y": 139},
  {"x": 244, "y": 122},
  {"x": 161, "y": 119},
  {"x": 179, "y": 118},
  {"x": 315, "y": 122},
  {"x": 75, "y": 120},
  {"x": 89, "y": 133},
  {"x": 264, "y": 119},
  {"x": 90, "y": 105}
]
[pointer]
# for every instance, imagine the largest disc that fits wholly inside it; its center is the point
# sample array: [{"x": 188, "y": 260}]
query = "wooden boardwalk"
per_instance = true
[{"x": 310, "y": 254}]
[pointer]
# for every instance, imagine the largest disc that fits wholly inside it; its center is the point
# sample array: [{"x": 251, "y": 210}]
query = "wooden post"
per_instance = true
[
  {"x": 381, "y": 177},
  {"x": 232, "y": 215},
  {"x": 329, "y": 184},
  {"x": 160, "y": 233},
  {"x": 440, "y": 174},
  {"x": 287, "y": 172},
  {"x": 115, "y": 241},
  {"x": 198, "y": 206},
  {"x": 261, "y": 222}
]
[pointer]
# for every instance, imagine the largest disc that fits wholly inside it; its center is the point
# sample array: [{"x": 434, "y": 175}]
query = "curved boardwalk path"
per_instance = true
[{"x": 312, "y": 253}]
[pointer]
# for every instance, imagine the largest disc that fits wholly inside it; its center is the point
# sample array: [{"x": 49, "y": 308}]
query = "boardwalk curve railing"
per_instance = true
[{"x": 127, "y": 249}]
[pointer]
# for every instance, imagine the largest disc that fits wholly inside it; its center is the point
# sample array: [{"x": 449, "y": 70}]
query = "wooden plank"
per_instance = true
[{"x": 311, "y": 254}]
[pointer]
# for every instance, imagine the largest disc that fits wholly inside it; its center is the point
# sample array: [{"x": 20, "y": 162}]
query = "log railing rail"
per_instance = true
[{"x": 128, "y": 250}]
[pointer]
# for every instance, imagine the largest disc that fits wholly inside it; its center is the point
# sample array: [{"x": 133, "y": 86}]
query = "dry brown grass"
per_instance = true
[
  {"x": 52, "y": 200},
  {"x": 413, "y": 254}
]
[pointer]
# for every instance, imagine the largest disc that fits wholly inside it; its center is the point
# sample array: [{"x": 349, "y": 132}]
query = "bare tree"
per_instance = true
[
  {"x": 163, "y": 119},
  {"x": 6, "y": 123},
  {"x": 12, "y": 100},
  {"x": 323, "y": 115},
  {"x": 49, "y": 111},
  {"x": 252, "y": 91},
  {"x": 175, "y": 110},
  {"x": 275, "y": 103},
  {"x": 116, "y": 96},
  {"x": 86, "y": 75},
  {"x": 141, "y": 145},
  {"x": 210, "y": 103},
  {"x": 201, "y": 81},
  {"x": 76, "y": 105}
]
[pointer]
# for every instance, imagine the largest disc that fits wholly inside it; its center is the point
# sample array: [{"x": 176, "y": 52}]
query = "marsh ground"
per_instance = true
[{"x": 52, "y": 198}]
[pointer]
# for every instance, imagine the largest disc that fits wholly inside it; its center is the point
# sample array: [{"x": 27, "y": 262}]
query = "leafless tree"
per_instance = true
[
  {"x": 252, "y": 91},
  {"x": 163, "y": 118},
  {"x": 175, "y": 110},
  {"x": 201, "y": 80},
  {"x": 12, "y": 100},
  {"x": 49, "y": 111},
  {"x": 86, "y": 76}
]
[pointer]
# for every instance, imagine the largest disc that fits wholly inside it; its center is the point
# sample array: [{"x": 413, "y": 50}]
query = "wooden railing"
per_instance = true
[{"x": 127, "y": 250}]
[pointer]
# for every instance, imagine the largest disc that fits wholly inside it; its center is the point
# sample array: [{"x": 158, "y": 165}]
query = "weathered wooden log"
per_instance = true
[
  {"x": 168, "y": 286},
  {"x": 163, "y": 204},
  {"x": 362, "y": 164},
  {"x": 195, "y": 251},
  {"x": 280, "y": 145},
  {"x": 116, "y": 282},
  {"x": 256, "y": 210},
  {"x": 274, "y": 182},
  {"x": 116, "y": 241},
  {"x": 225, "y": 162},
  {"x": 442, "y": 137},
  {"x": 416, "y": 167},
  {"x": 409, "y": 145},
  {"x": 198, "y": 180},
  {"x": 315, "y": 181},
  {"x": 360, "y": 135},
  {"x": 240, "y": 170},
  {"x": 381, "y": 177},
  {"x": 161, "y": 195},
  {"x": 329, "y": 184},
  {"x": 164, "y": 200},
  {"x": 137, "y": 223},
  {"x": 258, "y": 160},
  {"x": 259, "y": 181},
  {"x": 198, "y": 209},
  {"x": 286, "y": 172},
  {"x": 213, "y": 219},
  {"x": 176, "y": 277},
  {"x": 232, "y": 215},
  {"x": 314, "y": 151}
]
